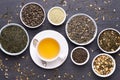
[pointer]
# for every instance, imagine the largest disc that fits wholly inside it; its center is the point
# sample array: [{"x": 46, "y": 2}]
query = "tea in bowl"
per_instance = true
[
  {"x": 48, "y": 48},
  {"x": 14, "y": 39},
  {"x": 80, "y": 55},
  {"x": 56, "y": 16},
  {"x": 81, "y": 29},
  {"x": 32, "y": 15},
  {"x": 103, "y": 65},
  {"x": 109, "y": 40}
]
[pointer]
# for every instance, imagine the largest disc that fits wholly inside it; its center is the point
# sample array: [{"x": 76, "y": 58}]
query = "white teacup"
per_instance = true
[{"x": 39, "y": 42}]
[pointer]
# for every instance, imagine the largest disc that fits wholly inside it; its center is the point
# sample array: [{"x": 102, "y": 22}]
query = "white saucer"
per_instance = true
[{"x": 63, "y": 53}]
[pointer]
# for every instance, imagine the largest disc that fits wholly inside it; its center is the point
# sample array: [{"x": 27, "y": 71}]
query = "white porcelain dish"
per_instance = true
[
  {"x": 110, "y": 52},
  {"x": 14, "y": 54},
  {"x": 88, "y": 56},
  {"x": 114, "y": 67},
  {"x": 91, "y": 40},
  {"x": 24, "y": 22},
  {"x": 63, "y": 53},
  {"x": 61, "y": 10}
]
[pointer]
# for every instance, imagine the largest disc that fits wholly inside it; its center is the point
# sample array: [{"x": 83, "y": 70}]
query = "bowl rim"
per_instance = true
[
  {"x": 110, "y": 52},
  {"x": 18, "y": 53},
  {"x": 79, "y": 47},
  {"x": 110, "y": 72},
  {"x": 95, "y": 34},
  {"x": 27, "y": 5},
  {"x": 60, "y": 9}
]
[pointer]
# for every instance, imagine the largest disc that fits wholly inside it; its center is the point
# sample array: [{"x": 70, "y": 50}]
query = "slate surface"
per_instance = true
[{"x": 105, "y": 12}]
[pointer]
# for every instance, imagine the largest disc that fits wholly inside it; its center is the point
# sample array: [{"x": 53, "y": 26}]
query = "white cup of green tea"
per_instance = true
[{"x": 48, "y": 48}]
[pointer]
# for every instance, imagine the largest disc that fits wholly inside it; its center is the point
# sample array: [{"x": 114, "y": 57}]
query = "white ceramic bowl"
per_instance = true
[
  {"x": 14, "y": 54},
  {"x": 88, "y": 56},
  {"x": 110, "y": 72},
  {"x": 99, "y": 44},
  {"x": 80, "y": 14},
  {"x": 24, "y": 22},
  {"x": 51, "y": 21}
]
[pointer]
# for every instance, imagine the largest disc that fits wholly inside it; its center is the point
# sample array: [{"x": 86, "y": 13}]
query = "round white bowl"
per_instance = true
[
  {"x": 110, "y": 72},
  {"x": 99, "y": 44},
  {"x": 51, "y": 21},
  {"x": 18, "y": 53},
  {"x": 80, "y": 14},
  {"x": 24, "y": 22},
  {"x": 85, "y": 60}
]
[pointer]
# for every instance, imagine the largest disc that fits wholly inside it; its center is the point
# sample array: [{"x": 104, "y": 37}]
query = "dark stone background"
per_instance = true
[{"x": 105, "y": 12}]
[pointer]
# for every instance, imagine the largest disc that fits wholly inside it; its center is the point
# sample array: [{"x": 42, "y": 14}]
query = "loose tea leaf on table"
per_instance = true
[{"x": 13, "y": 39}]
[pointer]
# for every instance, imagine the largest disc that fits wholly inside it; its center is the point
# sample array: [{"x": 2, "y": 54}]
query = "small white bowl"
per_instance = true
[
  {"x": 18, "y": 53},
  {"x": 99, "y": 44},
  {"x": 24, "y": 22},
  {"x": 110, "y": 72},
  {"x": 80, "y": 14},
  {"x": 55, "y": 23},
  {"x": 88, "y": 56}
]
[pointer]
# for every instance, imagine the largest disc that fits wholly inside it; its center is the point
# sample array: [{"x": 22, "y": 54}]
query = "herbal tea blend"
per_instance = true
[
  {"x": 81, "y": 29},
  {"x": 103, "y": 65},
  {"x": 13, "y": 39},
  {"x": 79, "y": 55},
  {"x": 56, "y": 15},
  {"x": 109, "y": 40},
  {"x": 32, "y": 15}
]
